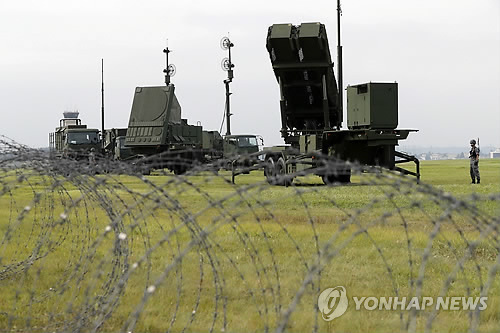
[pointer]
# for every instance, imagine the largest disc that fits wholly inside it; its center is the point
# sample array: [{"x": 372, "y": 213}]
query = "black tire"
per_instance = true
[
  {"x": 269, "y": 171},
  {"x": 282, "y": 178},
  {"x": 330, "y": 179},
  {"x": 180, "y": 170},
  {"x": 345, "y": 176}
]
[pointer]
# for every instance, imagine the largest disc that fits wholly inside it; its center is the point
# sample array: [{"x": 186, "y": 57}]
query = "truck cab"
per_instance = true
[
  {"x": 72, "y": 139},
  {"x": 243, "y": 144}
]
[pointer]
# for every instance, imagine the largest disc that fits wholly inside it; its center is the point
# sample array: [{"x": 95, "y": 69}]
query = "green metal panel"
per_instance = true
[
  {"x": 187, "y": 135},
  {"x": 153, "y": 109},
  {"x": 309, "y": 143},
  {"x": 310, "y": 30},
  {"x": 281, "y": 30},
  {"x": 212, "y": 140},
  {"x": 372, "y": 105}
]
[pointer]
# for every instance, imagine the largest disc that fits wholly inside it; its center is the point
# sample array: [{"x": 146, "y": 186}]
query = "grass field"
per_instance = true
[{"x": 194, "y": 253}]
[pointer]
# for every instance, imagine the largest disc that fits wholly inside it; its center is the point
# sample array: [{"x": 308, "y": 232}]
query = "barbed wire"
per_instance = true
[{"x": 102, "y": 247}]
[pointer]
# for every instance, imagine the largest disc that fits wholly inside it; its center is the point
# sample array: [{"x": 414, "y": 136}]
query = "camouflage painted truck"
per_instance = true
[
  {"x": 72, "y": 139},
  {"x": 311, "y": 113}
]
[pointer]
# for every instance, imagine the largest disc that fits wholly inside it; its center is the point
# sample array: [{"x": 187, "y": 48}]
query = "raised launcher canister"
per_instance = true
[
  {"x": 302, "y": 64},
  {"x": 311, "y": 112}
]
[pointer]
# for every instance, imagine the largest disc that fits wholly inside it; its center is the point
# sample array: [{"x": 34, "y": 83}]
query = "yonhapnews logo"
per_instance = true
[{"x": 333, "y": 303}]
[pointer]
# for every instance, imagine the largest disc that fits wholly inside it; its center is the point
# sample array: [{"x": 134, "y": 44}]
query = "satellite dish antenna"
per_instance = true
[
  {"x": 225, "y": 43},
  {"x": 225, "y": 64}
]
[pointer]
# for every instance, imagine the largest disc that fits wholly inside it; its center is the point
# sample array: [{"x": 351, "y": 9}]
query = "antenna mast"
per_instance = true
[
  {"x": 169, "y": 68},
  {"x": 227, "y": 65},
  {"x": 102, "y": 101},
  {"x": 167, "y": 76},
  {"x": 339, "y": 61}
]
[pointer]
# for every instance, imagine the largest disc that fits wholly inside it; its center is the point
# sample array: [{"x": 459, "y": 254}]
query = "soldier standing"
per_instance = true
[
  {"x": 92, "y": 156},
  {"x": 474, "y": 162}
]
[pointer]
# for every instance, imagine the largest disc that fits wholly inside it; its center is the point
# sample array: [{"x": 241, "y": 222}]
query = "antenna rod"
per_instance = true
[
  {"x": 339, "y": 62},
  {"x": 166, "y": 70},
  {"x": 228, "y": 93},
  {"x": 228, "y": 108},
  {"x": 102, "y": 101}
]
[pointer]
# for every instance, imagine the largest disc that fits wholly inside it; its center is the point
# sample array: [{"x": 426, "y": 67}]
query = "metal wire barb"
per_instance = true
[{"x": 100, "y": 247}]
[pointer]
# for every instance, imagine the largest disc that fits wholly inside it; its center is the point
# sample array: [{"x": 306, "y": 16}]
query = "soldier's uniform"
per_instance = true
[
  {"x": 92, "y": 156},
  {"x": 474, "y": 162}
]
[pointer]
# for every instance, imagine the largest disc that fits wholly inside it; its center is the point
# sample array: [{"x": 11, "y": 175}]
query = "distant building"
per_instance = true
[{"x": 495, "y": 154}]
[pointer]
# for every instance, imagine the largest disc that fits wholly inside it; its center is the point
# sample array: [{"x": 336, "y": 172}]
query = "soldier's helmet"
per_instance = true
[{"x": 472, "y": 142}]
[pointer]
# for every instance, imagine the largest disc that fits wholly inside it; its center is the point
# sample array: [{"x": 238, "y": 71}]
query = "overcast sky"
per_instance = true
[{"x": 445, "y": 55}]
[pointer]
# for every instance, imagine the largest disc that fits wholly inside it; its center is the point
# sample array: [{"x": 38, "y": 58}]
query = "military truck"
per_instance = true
[
  {"x": 231, "y": 148},
  {"x": 311, "y": 112},
  {"x": 156, "y": 128},
  {"x": 242, "y": 144},
  {"x": 72, "y": 139}
]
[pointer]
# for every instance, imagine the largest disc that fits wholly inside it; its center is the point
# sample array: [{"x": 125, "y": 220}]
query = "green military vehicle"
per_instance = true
[
  {"x": 311, "y": 111},
  {"x": 241, "y": 151},
  {"x": 156, "y": 128},
  {"x": 243, "y": 144},
  {"x": 229, "y": 147},
  {"x": 72, "y": 139}
]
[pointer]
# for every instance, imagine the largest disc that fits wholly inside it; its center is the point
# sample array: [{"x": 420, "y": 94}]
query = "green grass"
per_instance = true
[{"x": 262, "y": 242}]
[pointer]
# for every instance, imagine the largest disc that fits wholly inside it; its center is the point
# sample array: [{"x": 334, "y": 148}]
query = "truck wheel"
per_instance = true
[
  {"x": 180, "y": 170},
  {"x": 269, "y": 171},
  {"x": 345, "y": 176},
  {"x": 282, "y": 178},
  {"x": 330, "y": 179}
]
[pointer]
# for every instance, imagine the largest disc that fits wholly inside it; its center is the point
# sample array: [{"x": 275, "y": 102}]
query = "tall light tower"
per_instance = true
[{"x": 227, "y": 65}]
